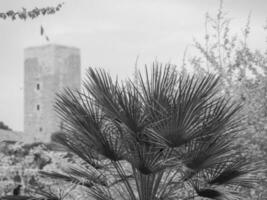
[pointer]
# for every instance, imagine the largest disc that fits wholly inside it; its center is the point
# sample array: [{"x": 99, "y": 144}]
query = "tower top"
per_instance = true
[
  {"x": 36, "y": 50},
  {"x": 51, "y": 46}
]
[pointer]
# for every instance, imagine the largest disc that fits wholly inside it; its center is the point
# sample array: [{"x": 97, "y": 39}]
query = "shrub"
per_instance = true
[{"x": 165, "y": 137}]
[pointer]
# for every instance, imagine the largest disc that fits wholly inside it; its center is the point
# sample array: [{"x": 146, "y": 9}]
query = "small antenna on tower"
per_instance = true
[{"x": 43, "y": 33}]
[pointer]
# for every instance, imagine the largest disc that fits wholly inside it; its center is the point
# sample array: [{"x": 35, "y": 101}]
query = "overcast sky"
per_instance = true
[{"x": 110, "y": 34}]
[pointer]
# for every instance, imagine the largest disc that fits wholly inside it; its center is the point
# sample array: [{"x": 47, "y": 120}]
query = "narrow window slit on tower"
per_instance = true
[
  {"x": 38, "y": 107},
  {"x": 41, "y": 129},
  {"x": 38, "y": 86}
]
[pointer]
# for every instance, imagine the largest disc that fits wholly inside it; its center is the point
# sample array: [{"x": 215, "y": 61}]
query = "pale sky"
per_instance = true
[{"x": 110, "y": 34}]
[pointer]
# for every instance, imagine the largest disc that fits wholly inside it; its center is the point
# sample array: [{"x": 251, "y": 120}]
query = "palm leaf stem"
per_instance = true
[{"x": 123, "y": 176}]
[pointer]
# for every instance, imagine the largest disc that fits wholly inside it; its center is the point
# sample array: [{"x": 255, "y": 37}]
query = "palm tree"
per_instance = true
[{"x": 166, "y": 137}]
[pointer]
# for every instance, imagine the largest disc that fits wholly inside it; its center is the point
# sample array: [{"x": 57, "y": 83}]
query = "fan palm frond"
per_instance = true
[
  {"x": 214, "y": 144},
  {"x": 100, "y": 193},
  {"x": 239, "y": 172},
  {"x": 79, "y": 147},
  {"x": 206, "y": 155},
  {"x": 132, "y": 109},
  {"x": 176, "y": 105},
  {"x": 86, "y": 121},
  {"x": 67, "y": 178},
  {"x": 87, "y": 174},
  {"x": 120, "y": 103},
  {"x": 157, "y": 90},
  {"x": 216, "y": 193},
  {"x": 140, "y": 138},
  {"x": 99, "y": 85},
  {"x": 148, "y": 159},
  {"x": 79, "y": 113}
]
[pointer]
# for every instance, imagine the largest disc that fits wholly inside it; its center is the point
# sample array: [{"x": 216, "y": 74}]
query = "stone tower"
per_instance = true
[{"x": 47, "y": 70}]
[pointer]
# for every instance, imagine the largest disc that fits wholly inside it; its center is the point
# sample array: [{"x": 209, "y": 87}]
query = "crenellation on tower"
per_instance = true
[{"x": 47, "y": 70}]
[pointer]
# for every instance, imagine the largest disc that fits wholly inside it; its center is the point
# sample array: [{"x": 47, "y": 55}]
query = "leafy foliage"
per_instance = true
[
  {"x": 243, "y": 74},
  {"x": 160, "y": 138},
  {"x": 25, "y": 14}
]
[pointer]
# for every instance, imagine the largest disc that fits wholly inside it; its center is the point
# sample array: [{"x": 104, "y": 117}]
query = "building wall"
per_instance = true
[{"x": 47, "y": 71}]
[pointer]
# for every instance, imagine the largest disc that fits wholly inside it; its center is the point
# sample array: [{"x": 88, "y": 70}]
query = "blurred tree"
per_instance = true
[
  {"x": 25, "y": 14},
  {"x": 3, "y": 126},
  {"x": 243, "y": 76}
]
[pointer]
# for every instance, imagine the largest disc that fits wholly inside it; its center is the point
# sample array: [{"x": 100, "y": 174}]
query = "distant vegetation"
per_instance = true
[
  {"x": 243, "y": 72},
  {"x": 4, "y": 126},
  {"x": 25, "y": 14}
]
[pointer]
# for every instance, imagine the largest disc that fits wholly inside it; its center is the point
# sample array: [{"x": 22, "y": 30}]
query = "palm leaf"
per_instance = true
[
  {"x": 176, "y": 105},
  {"x": 79, "y": 147},
  {"x": 67, "y": 178},
  {"x": 100, "y": 193},
  {"x": 86, "y": 122},
  {"x": 87, "y": 174},
  {"x": 215, "y": 193},
  {"x": 100, "y": 87},
  {"x": 239, "y": 172},
  {"x": 163, "y": 124}
]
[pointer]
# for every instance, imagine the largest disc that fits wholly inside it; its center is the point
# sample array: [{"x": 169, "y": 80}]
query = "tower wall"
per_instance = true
[{"x": 47, "y": 71}]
